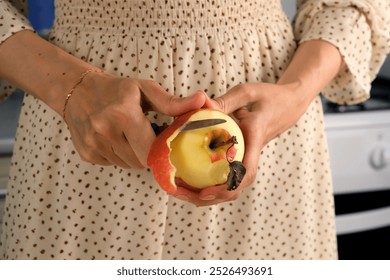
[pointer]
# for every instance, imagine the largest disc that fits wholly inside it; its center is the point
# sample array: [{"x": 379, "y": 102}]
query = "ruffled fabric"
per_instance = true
[
  {"x": 360, "y": 29},
  {"x": 225, "y": 34},
  {"x": 12, "y": 19}
]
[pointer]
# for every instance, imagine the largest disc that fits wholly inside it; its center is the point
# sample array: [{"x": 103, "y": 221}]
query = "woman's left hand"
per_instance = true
[
  {"x": 263, "y": 112},
  {"x": 266, "y": 110}
]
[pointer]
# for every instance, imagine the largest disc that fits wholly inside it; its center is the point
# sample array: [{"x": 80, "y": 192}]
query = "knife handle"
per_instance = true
[{"x": 156, "y": 128}]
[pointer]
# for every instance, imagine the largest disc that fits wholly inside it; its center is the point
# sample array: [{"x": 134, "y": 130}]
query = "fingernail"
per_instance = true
[
  {"x": 182, "y": 197},
  {"x": 209, "y": 197}
]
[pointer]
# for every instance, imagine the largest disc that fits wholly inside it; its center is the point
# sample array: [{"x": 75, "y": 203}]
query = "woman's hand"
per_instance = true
[
  {"x": 106, "y": 119},
  {"x": 105, "y": 114},
  {"x": 266, "y": 110},
  {"x": 263, "y": 112}
]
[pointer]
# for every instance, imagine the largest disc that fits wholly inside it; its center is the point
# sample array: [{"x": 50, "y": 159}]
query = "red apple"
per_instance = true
[{"x": 200, "y": 157}]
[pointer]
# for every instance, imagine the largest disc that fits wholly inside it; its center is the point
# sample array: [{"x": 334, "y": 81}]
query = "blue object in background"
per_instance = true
[{"x": 41, "y": 14}]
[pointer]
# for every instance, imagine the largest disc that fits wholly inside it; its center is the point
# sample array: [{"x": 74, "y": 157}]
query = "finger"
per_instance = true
[
  {"x": 102, "y": 154},
  {"x": 176, "y": 106},
  {"x": 110, "y": 141},
  {"x": 115, "y": 153},
  {"x": 237, "y": 97},
  {"x": 110, "y": 158},
  {"x": 106, "y": 152},
  {"x": 139, "y": 135},
  {"x": 210, "y": 202},
  {"x": 210, "y": 103},
  {"x": 219, "y": 193},
  {"x": 91, "y": 154},
  {"x": 118, "y": 149},
  {"x": 207, "y": 196},
  {"x": 94, "y": 158},
  {"x": 168, "y": 104},
  {"x": 187, "y": 195},
  {"x": 86, "y": 148},
  {"x": 131, "y": 152},
  {"x": 194, "y": 199},
  {"x": 253, "y": 145}
]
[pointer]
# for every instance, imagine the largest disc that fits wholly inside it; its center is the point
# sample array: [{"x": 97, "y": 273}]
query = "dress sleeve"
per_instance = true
[
  {"x": 12, "y": 19},
  {"x": 360, "y": 29}
]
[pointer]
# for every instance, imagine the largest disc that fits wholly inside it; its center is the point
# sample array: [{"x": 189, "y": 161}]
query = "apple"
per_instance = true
[{"x": 201, "y": 157}]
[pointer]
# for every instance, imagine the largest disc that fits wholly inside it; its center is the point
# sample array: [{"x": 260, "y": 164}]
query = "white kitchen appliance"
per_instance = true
[
  {"x": 359, "y": 146},
  {"x": 9, "y": 116}
]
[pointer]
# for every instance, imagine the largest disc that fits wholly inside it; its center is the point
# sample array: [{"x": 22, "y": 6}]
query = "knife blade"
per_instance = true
[{"x": 201, "y": 124}]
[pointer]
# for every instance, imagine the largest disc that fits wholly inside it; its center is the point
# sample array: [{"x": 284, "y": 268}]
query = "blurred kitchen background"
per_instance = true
[{"x": 359, "y": 144}]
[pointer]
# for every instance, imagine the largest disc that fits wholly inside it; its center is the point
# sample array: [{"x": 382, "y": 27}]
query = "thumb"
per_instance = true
[
  {"x": 160, "y": 100},
  {"x": 237, "y": 97},
  {"x": 175, "y": 106},
  {"x": 253, "y": 146}
]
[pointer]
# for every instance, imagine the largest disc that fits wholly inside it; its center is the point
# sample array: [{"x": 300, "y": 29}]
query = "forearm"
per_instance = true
[
  {"x": 40, "y": 68},
  {"x": 313, "y": 66}
]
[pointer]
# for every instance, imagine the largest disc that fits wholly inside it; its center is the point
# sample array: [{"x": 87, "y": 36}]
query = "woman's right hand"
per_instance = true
[
  {"x": 106, "y": 119},
  {"x": 105, "y": 114}
]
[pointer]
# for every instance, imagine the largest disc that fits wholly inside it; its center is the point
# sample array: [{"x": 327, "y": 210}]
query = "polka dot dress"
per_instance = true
[{"x": 59, "y": 207}]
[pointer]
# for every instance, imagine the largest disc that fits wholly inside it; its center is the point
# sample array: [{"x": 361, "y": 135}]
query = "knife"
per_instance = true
[
  {"x": 201, "y": 124},
  {"x": 192, "y": 125}
]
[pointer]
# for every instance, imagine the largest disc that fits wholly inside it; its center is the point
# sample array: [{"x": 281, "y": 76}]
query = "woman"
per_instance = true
[{"x": 79, "y": 186}]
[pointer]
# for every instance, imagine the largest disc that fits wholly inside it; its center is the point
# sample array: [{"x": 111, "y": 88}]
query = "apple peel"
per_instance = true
[
  {"x": 160, "y": 161},
  {"x": 161, "y": 146}
]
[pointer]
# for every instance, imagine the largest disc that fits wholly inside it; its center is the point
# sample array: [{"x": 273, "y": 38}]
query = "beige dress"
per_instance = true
[{"x": 60, "y": 207}]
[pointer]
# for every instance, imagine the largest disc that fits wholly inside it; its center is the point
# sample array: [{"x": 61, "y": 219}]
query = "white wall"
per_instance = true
[{"x": 289, "y": 7}]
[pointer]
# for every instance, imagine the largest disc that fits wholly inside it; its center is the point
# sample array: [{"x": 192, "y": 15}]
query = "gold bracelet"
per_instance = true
[{"x": 69, "y": 95}]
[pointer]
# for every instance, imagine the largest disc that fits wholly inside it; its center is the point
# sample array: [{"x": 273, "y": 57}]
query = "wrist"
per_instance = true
[
  {"x": 78, "y": 83},
  {"x": 297, "y": 94},
  {"x": 64, "y": 73},
  {"x": 287, "y": 105},
  {"x": 314, "y": 64},
  {"x": 40, "y": 68}
]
